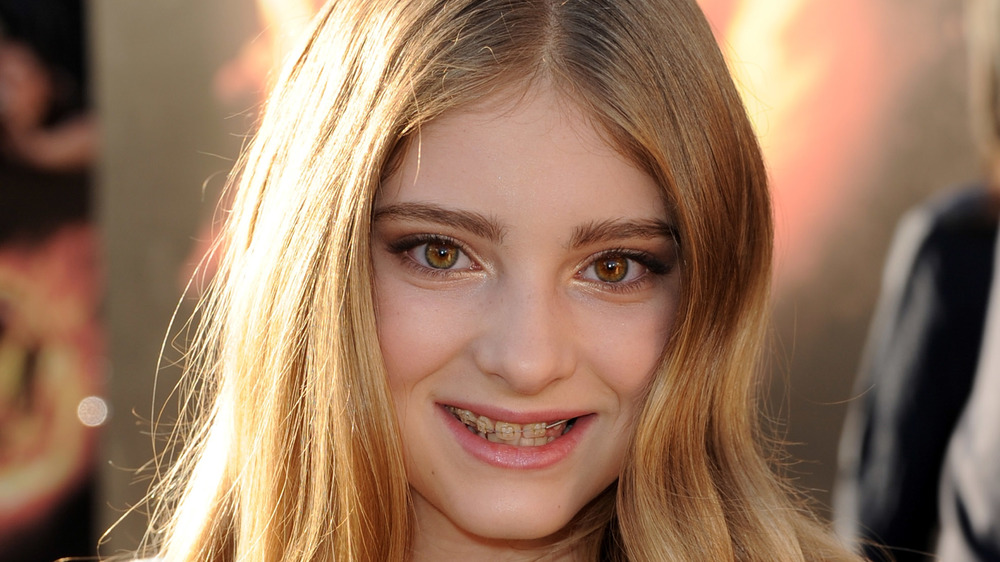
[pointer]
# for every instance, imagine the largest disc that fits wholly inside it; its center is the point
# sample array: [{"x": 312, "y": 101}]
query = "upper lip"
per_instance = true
[{"x": 497, "y": 413}]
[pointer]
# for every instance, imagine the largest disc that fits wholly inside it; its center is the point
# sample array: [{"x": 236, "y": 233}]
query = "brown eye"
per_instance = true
[
  {"x": 441, "y": 255},
  {"x": 611, "y": 269}
]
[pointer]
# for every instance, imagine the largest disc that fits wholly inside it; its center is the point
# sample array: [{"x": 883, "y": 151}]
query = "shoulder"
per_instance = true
[
  {"x": 951, "y": 233},
  {"x": 963, "y": 211}
]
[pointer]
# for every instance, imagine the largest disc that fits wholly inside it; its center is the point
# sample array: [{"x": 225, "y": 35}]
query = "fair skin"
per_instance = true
[{"x": 527, "y": 275}]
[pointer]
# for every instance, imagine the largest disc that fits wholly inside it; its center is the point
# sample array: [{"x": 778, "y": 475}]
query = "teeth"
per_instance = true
[
  {"x": 484, "y": 424},
  {"x": 533, "y": 430},
  {"x": 509, "y": 433},
  {"x": 465, "y": 416},
  {"x": 506, "y": 431}
]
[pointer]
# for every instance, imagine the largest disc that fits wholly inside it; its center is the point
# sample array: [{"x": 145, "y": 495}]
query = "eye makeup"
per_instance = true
[{"x": 616, "y": 270}]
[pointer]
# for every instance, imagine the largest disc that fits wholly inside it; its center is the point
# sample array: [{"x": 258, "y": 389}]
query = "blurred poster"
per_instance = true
[{"x": 50, "y": 341}]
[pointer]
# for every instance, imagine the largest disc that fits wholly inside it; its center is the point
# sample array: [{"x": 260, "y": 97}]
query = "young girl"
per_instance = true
[{"x": 495, "y": 286}]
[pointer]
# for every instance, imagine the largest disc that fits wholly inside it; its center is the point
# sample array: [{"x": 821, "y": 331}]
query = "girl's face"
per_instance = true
[{"x": 527, "y": 280}]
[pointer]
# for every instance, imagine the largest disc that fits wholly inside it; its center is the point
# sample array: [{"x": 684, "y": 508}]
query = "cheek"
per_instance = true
[
  {"x": 417, "y": 334},
  {"x": 626, "y": 346},
  {"x": 399, "y": 334}
]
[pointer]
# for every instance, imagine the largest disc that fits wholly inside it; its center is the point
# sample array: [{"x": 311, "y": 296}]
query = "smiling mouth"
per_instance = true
[{"x": 510, "y": 433}]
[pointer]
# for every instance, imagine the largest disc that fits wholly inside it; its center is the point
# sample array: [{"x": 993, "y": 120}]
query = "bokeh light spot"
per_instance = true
[{"x": 92, "y": 411}]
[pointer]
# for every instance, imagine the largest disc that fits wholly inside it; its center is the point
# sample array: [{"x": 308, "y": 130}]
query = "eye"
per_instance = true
[
  {"x": 441, "y": 255},
  {"x": 614, "y": 268},
  {"x": 611, "y": 269},
  {"x": 624, "y": 270},
  {"x": 435, "y": 253}
]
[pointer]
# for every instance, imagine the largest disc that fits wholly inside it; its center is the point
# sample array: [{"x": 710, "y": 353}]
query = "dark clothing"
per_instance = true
[
  {"x": 970, "y": 489},
  {"x": 917, "y": 373}
]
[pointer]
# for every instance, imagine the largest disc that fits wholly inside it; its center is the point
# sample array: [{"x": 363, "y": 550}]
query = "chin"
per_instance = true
[
  {"x": 519, "y": 526},
  {"x": 525, "y": 517}
]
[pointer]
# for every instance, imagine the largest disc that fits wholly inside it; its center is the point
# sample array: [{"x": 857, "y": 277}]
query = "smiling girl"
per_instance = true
[{"x": 495, "y": 287}]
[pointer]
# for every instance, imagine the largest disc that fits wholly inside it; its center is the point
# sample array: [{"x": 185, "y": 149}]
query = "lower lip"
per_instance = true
[{"x": 509, "y": 456}]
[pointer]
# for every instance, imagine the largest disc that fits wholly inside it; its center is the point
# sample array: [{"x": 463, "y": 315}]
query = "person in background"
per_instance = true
[
  {"x": 924, "y": 344},
  {"x": 970, "y": 489}
]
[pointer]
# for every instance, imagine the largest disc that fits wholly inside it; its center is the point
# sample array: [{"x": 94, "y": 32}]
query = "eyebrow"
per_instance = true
[
  {"x": 609, "y": 230},
  {"x": 480, "y": 225}
]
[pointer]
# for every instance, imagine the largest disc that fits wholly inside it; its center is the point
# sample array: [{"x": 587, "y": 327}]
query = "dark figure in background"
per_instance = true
[
  {"x": 924, "y": 346},
  {"x": 917, "y": 373},
  {"x": 970, "y": 485}
]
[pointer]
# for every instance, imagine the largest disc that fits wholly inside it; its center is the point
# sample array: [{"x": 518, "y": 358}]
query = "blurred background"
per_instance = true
[{"x": 121, "y": 119}]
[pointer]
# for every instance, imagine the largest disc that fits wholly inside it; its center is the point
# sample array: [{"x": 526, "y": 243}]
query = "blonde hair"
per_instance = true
[
  {"x": 982, "y": 22},
  {"x": 293, "y": 452}
]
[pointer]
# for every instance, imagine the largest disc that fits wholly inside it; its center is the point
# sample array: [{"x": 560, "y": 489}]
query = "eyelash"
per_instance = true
[
  {"x": 404, "y": 245},
  {"x": 653, "y": 265}
]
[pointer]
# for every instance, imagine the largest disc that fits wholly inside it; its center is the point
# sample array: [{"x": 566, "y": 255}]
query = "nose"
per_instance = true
[{"x": 528, "y": 338}]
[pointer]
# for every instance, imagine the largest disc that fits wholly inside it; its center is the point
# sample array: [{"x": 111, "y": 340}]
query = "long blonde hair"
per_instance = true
[{"x": 290, "y": 449}]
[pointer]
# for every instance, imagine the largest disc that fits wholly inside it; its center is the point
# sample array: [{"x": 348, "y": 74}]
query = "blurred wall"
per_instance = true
[{"x": 167, "y": 145}]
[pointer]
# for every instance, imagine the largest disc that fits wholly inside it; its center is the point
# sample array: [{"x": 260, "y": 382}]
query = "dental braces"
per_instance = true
[{"x": 503, "y": 429}]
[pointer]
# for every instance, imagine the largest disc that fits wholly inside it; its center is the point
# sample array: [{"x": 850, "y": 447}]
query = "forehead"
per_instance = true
[{"x": 536, "y": 153}]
